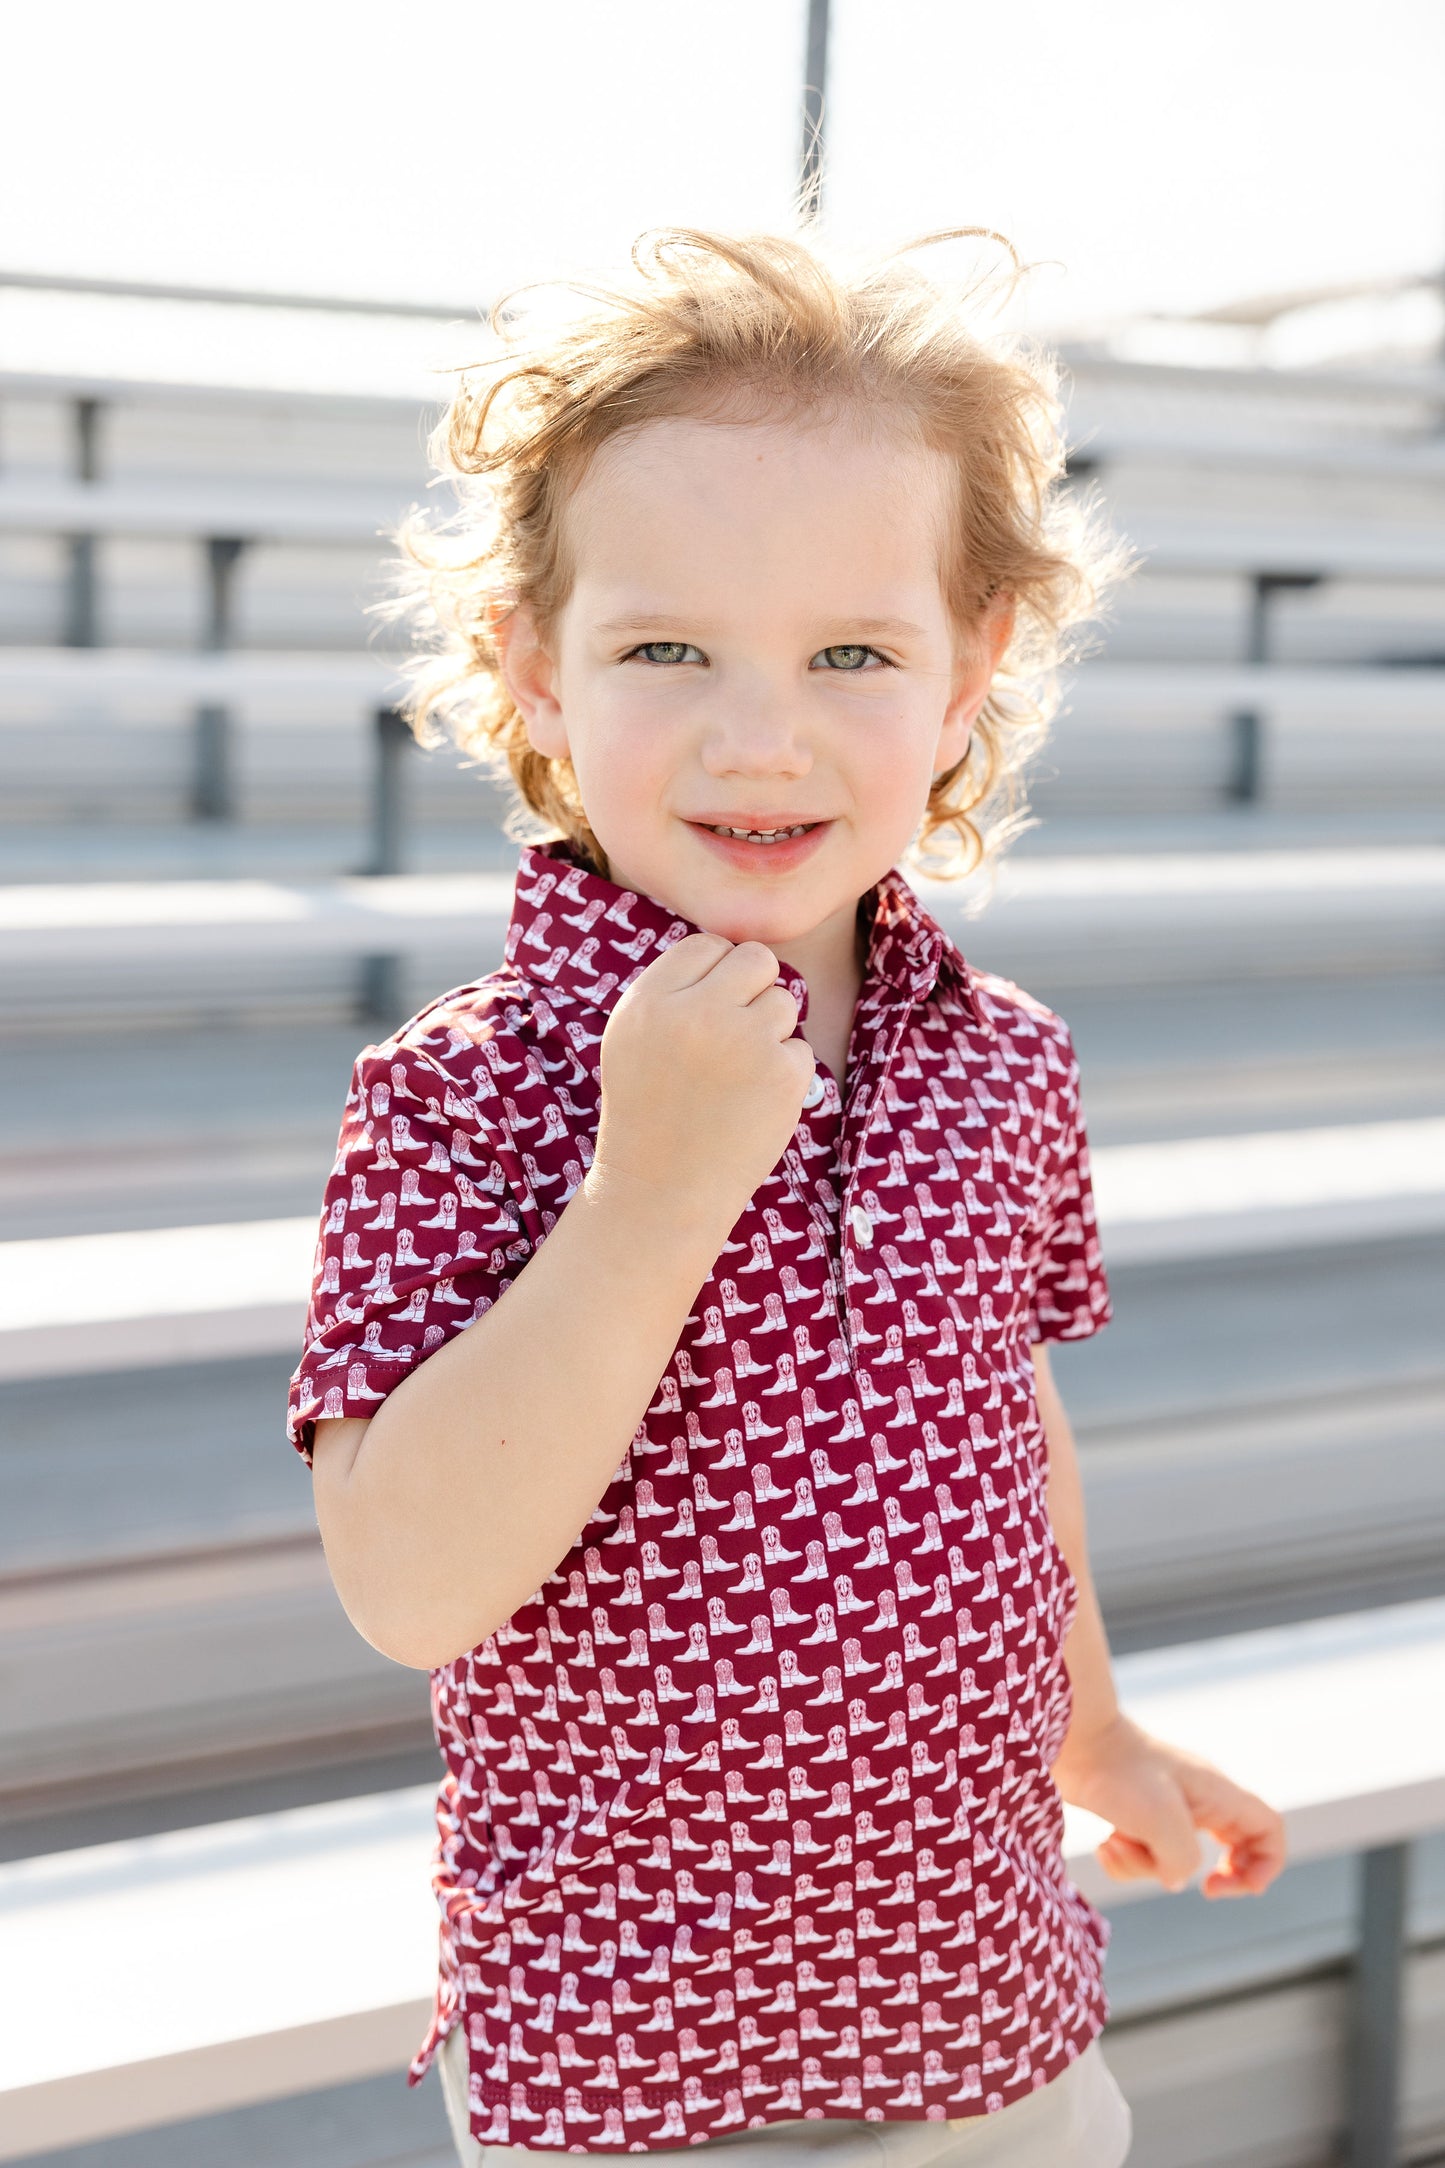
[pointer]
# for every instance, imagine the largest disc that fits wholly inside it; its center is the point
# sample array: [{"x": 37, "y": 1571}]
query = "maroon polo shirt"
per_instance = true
[{"x": 747, "y": 1812}]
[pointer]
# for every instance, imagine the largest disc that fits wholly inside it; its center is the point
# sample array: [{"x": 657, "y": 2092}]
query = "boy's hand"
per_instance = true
[
  {"x": 702, "y": 1079},
  {"x": 1157, "y": 1796}
]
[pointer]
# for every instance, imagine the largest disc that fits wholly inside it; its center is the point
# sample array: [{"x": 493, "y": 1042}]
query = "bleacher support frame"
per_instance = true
[
  {"x": 382, "y": 997},
  {"x": 1377, "y": 2007}
]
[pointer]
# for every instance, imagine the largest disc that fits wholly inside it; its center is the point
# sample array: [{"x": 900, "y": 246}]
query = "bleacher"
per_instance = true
[
  {"x": 293, "y": 2012},
  {"x": 289, "y": 2012},
  {"x": 222, "y": 875}
]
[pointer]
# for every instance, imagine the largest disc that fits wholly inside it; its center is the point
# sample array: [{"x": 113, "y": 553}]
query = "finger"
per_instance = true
[
  {"x": 683, "y": 963},
  {"x": 1230, "y": 1879},
  {"x": 807, "y": 1060},
  {"x": 747, "y": 968},
  {"x": 1266, "y": 1835},
  {"x": 1168, "y": 1829},
  {"x": 1223, "y": 1882},
  {"x": 1126, "y": 1860},
  {"x": 1252, "y": 1829},
  {"x": 1246, "y": 1868},
  {"x": 1226, "y": 1809},
  {"x": 776, "y": 1001},
  {"x": 1172, "y": 1858},
  {"x": 1179, "y": 1857}
]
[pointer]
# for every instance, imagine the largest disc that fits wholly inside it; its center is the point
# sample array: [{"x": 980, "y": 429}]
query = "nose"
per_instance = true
[{"x": 759, "y": 734}]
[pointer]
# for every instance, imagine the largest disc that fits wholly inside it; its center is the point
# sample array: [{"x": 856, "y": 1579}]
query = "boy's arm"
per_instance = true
[
  {"x": 1086, "y": 1645},
  {"x": 445, "y": 1510},
  {"x": 1156, "y": 1795}
]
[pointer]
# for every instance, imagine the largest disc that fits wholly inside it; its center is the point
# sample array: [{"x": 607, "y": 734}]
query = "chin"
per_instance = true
[
  {"x": 735, "y": 925},
  {"x": 771, "y": 926}
]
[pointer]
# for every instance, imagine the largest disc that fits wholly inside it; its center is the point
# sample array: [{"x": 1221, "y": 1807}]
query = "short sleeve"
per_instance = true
[
  {"x": 1069, "y": 1294},
  {"x": 420, "y": 1233}
]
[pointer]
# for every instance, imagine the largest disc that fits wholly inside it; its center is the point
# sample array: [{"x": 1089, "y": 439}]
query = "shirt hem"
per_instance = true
[{"x": 515, "y": 2113}]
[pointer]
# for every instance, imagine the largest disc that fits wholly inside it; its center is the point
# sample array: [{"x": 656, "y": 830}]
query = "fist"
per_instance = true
[{"x": 702, "y": 1078}]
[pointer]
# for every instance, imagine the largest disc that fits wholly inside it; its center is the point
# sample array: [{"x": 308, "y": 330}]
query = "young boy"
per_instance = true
[{"x": 676, "y": 1376}]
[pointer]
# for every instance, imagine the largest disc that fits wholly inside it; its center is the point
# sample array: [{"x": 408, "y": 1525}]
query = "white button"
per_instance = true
[
  {"x": 862, "y": 1226},
  {"x": 817, "y": 1087}
]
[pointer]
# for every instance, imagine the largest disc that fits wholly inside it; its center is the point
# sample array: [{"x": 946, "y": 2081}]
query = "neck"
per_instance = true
[
  {"x": 835, "y": 974},
  {"x": 834, "y": 955}
]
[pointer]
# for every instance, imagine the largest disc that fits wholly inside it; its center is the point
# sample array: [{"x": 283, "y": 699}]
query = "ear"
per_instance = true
[
  {"x": 977, "y": 664},
  {"x": 529, "y": 674}
]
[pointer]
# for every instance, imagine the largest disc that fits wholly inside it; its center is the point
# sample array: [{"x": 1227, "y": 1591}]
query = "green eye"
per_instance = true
[
  {"x": 845, "y": 658},
  {"x": 665, "y": 651}
]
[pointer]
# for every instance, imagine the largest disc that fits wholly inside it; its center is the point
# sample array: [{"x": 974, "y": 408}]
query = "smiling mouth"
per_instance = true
[{"x": 758, "y": 835}]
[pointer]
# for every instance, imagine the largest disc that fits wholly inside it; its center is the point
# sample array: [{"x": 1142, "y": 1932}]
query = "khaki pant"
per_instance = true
[{"x": 1082, "y": 2120}]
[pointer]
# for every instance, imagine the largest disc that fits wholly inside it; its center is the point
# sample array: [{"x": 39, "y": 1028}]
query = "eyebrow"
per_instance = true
[
  {"x": 883, "y": 628},
  {"x": 636, "y": 620},
  {"x": 879, "y": 628}
]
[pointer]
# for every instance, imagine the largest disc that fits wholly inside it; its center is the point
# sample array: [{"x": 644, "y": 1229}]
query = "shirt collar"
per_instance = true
[
  {"x": 573, "y": 929},
  {"x": 909, "y": 949}
]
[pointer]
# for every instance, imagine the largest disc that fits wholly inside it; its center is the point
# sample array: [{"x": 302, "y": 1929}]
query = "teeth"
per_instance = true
[{"x": 762, "y": 835}]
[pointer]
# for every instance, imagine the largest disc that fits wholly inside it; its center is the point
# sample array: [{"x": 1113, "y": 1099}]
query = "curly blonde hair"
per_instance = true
[{"x": 709, "y": 324}]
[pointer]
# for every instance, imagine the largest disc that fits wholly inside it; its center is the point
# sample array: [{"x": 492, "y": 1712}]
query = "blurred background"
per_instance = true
[{"x": 237, "y": 258}]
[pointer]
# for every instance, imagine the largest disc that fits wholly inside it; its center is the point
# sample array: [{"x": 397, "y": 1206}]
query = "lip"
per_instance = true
[
  {"x": 753, "y": 820},
  {"x": 762, "y": 858}
]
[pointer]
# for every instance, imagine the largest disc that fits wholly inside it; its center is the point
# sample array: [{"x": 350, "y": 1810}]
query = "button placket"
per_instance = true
[
  {"x": 855, "y": 1216},
  {"x": 801, "y": 1189}
]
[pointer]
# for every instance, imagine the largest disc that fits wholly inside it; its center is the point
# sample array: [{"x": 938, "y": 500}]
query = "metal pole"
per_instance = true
[
  {"x": 382, "y": 994},
  {"x": 1245, "y": 784},
  {"x": 81, "y": 627},
  {"x": 1377, "y": 2029},
  {"x": 393, "y": 739},
  {"x": 213, "y": 795},
  {"x": 1246, "y": 727},
  {"x": 815, "y": 84}
]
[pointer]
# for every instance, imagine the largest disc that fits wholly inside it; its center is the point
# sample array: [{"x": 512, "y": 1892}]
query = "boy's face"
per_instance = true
[{"x": 756, "y": 636}]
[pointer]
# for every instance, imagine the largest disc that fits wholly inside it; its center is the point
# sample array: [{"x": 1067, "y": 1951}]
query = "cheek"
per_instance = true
[
  {"x": 623, "y": 760},
  {"x": 892, "y": 760}
]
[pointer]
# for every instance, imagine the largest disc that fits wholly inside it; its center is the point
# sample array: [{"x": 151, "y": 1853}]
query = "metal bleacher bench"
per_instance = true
[
  {"x": 1265, "y": 709},
  {"x": 228, "y": 518},
  {"x": 1108, "y": 447},
  {"x": 168, "y": 1977},
  {"x": 71, "y": 1304},
  {"x": 1092, "y": 920},
  {"x": 225, "y": 519},
  {"x": 1100, "y": 691},
  {"x": 252, "y": 512},
  {"x": 1265, "y": 713},
  {"x": 1395, "y": 894}
]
